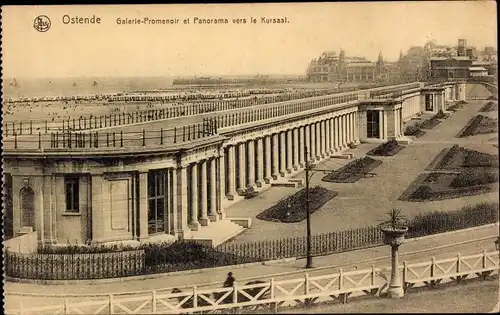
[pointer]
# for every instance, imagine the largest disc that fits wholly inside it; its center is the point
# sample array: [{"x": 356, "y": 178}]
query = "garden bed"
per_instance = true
[
  {"x": 430, "y": 123},
  {"x": 353, "y": 171},
  {"x": 474, "y": 173},
  {"x": 389, "y": 148},
  {"x": 479, "y": 125},
  {"x": 293, "y": 208},
  {"x": 489, "y": 107}
]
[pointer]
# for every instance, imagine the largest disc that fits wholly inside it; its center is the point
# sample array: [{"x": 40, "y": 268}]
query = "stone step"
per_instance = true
[
  {"x": 285, "y": 184},
  {"x": 344, "y": 156},
  {"x": 216, "y": 233}
]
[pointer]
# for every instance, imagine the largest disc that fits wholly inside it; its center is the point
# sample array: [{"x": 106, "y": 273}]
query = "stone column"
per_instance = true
[
  {"x": 337, "y": 133},
  {"x": 241, "y": 169},
  {"x": 283, "y": 152},
  {"x": 204, "y": 220},
  {"x": 381, "y": 124},
  {"x": 221, "y": 178},
  {"x": 295, "y": 149},
  {"x": 318, "y": 140},
  {"x": 307, "y": 136},
  {"x": 275, "y": 159},
  {"x": 260, "y": 162},
  {"x": 312, "y": 154},
  {"x": 213, "y": 191},
  {"x": 251, "y": 165},
  {"x": 327, "y": 137},
  {"x": 268, "y": 160},
  {"x": 289, "y": 151},
  {"x": 180, "y": 202},
  {"x": 332, "y": 134},
  {"x": 231, "y": 173},
  {"x": 143, "y": 205},
  {"x": 301, "y": 146},
  {"x": 193, "y": 219}
]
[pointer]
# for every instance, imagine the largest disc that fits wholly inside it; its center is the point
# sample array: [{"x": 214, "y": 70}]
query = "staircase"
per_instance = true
[{"x": 217, "y": 233}]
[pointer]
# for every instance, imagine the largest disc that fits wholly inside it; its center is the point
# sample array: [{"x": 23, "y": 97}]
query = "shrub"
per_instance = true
[
  {"x": 387, "y": 149},
  {"x": 412, "y": 130},
  {"x": 474, "y": 177},
  {"x": 439, "y": 221},
  {"x": 479, "y": 159},
  {"x": 423, "y": 192}
]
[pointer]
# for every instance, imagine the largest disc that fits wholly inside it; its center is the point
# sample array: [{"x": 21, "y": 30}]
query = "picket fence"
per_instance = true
[{"x": 273, "y": 294}]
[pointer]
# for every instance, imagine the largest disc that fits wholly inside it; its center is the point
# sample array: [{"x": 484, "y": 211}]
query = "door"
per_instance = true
[{"x": 429, "y": 106}]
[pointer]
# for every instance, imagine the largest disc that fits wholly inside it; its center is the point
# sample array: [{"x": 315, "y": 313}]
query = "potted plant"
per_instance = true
[{"x": 394, "y": 228}]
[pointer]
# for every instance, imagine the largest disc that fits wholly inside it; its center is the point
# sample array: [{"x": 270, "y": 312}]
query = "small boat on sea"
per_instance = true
[
  {"x": 14, "y": 83},
  {"x": 74, "y": 83},
  {"x": 94, "y": 84}
]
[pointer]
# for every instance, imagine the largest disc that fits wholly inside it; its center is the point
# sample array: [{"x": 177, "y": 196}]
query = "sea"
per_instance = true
[{"x": 38, "y": 87}]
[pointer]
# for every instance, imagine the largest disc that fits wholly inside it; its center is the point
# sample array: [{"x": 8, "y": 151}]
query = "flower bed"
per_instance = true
[
  {"x": 489, "y": 107},
  {"x": 474, "y": 177},
  {"x": 353, "y": 171},
  {"x": 479, "y": 125},
  {"x": 389, "y": 148},
  {"x": 293, "y": 208},
  {"x": 477, "y": 172},
  {"x": 430, "y": 123}
]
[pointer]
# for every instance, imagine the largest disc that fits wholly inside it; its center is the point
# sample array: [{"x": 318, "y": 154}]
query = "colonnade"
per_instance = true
[
  {"x": 411, "y": 106},
  {"x": 203, "y": 192},
  {"x": 251, "y": 163}
]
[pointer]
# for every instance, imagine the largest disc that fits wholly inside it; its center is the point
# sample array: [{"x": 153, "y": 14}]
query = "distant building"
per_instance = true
[
  {"x": 478, "y": 71},
  {"x": 450, "y": 68},
  {"x": 330, "y": 67}
]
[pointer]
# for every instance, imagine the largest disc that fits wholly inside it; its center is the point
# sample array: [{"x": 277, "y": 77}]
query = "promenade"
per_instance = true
[
  {"x": 366, "y": 201},
  {"x": 465, "y": 242}
]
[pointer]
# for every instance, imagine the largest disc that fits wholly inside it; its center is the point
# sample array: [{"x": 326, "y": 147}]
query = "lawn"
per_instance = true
[
  {"x": 353, "y": 171},
  {"x": 293, "y": 208},
  {"x": 454, "y": 173}
]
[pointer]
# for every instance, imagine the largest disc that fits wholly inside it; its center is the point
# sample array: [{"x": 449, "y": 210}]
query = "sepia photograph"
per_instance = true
[{"x": 251, "y": 158}]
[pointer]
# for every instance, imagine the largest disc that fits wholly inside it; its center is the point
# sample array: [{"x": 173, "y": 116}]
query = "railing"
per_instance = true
[
  {"x": 63, "y": 141},
  {"x": 168, "y": 259},
  {"x": 103, "y": 121},
  {"x": 272, "y": 294},
  {"x": 394, "y": 92}
]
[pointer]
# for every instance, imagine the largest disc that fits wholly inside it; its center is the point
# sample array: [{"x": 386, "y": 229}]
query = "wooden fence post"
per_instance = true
[
  {"x": 66, "y": 307},
  {"x": 235, "y": 293},
  {"x": 341, "y": 279},
  {"x": 111, "y": 306},
  {"x": 121, "y": 138},
  {"x": 15, "y": 140},
  {"x": 153, "y": 303},
  {"x": 175, "y": 134},
  {"x": 161, "y": 136},
  {"x": 195, "y": 296},
  {"x": 433, "y": 269},
  {"x": 373, "y": 274},
  {"x": 143, "y": 137}
]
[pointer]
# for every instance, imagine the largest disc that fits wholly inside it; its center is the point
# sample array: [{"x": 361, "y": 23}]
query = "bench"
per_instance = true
[{"x": 369, "y": 174}]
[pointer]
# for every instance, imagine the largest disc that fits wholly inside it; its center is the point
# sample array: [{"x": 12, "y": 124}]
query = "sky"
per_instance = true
[{"x": 109, "y": 49}]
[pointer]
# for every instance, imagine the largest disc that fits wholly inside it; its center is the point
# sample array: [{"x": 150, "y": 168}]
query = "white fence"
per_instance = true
[{"x": 272, "y": 294}]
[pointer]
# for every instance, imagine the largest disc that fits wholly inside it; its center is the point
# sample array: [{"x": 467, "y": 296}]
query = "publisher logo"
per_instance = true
[{"x": 42, "y": 23}]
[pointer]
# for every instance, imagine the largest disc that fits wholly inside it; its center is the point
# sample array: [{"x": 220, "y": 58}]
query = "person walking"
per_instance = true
[{"x": 229, "y": 280}]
